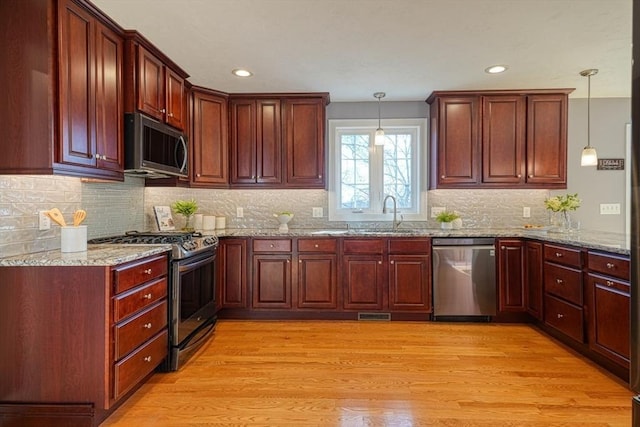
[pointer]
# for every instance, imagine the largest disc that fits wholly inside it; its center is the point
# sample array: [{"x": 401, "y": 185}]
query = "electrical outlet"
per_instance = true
[
  {"x": 44, "y": 222},
  {"x": 609, "y": 208},
  {"x": 317, "y": 212},
  {"x": 239, "y": 212},
  {"x": 526, "y": 212},
  {"x": 435, "y": 210}
]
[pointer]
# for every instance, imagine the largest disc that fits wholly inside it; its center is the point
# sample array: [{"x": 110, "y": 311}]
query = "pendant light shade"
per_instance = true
[
  {"x": 379, "y": 138},
  {"x": 589, "y": 156}
]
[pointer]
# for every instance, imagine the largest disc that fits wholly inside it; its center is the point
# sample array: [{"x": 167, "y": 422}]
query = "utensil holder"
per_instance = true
[{"x": 73, "y": 239}]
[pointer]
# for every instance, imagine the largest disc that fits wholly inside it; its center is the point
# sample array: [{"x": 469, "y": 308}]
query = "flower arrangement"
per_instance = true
[
  {"x": 447, "y": 216},
  {"x": 568, "y": 202},
  {"x": 185, "y": 208}
]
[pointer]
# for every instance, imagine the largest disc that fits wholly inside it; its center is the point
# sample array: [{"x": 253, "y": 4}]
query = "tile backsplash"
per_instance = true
[{"x": 113, "y": 208}]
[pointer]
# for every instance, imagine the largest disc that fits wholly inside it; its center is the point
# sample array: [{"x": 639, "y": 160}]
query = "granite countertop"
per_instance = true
[
  {"x": 598, "y": 240},
  {"x": 95, "y": 255}
]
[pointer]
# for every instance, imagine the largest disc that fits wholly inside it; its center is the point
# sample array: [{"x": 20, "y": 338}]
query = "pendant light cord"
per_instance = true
[
  {"x": 379, "y": 112},
  {"x": 589, "y": 111}
]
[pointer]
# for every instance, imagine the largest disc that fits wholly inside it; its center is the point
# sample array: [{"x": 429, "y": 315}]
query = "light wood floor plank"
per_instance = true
[{"x": 313, "y": 373}]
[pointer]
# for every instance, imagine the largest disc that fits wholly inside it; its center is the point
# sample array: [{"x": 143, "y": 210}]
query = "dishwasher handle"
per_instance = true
[{"x": 480, "y": 247}]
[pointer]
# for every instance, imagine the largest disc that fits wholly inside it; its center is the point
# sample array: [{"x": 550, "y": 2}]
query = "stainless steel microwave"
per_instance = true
[{"x": 153, "y": 149}]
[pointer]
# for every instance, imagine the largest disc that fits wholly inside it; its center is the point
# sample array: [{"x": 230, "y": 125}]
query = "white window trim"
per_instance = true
[{"x": 420, "y": 170}]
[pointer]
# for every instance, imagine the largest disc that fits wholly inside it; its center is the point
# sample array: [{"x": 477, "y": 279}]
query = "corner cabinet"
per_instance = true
[
  {"x": 65, "y": 115},
  {"x": 499, "y": 139},
  {"x": 209, "y": 139},
  {"x": 511, "y": 282}
]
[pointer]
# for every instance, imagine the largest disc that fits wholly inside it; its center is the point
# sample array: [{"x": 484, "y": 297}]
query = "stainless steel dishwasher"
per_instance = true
[{"x": 464, "y": 279}]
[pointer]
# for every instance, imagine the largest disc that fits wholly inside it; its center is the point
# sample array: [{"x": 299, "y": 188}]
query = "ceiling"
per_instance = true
[{"x": 406, "y": 48}]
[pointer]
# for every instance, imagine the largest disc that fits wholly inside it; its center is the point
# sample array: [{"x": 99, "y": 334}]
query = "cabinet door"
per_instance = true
[
  {"x": 547, "y": 139},
  {"x": 610, "y": 315},
  {"x": 151, "y": 87},
  {"x": 209, "y": 139},
  {"x": 77, "y": 83},
  {"x": 304, "y": 136},
  {"x": 272, "y": 281},
  {"x": 362, "y": 281},
  {"x": 317, "y": 281},
  {"x": 503, "y": 139},
  {"x": 109, "y": 116},
  {"x": 243, "y": 141},
  {"x": 510, "y": 276},
  {"x": 534, "y": 277},
  {"x": 175, "y": 101},
  {"x": 268, "y": 142},
  {"x": 410, "y": 282},
  {"x": 458, "y": 141},
  {"x": 232, "y": 277}
]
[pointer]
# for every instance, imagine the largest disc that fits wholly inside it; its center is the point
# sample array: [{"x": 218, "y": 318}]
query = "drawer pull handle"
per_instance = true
[
  {"x": 299, "y": 261},
  {"x": 610, "y": 265},
  {"x": 503, "y": 247},
  {"x": 558, "y": 255},
  {"x": 560, "y": 316},
  {"x": 271, "y": 245},
  {"x": 379, "y": 262},
  {"x": 147, "y": 271},
  {"x": 315, "y": 245},
  {"x": 147, "y": 359},
  {"x": 559, "y": 281},
  {"x": 392, "y": 262},
  {"x": 147, "y": 326},
  {"x": 147, "y": 296},
  {"x": 609, "y": 283}
]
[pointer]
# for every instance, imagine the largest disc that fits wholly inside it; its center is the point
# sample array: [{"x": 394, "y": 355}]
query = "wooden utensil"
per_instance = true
[
  {"x": 56, "y": 216},
  {"x": 78, "y": 217}
]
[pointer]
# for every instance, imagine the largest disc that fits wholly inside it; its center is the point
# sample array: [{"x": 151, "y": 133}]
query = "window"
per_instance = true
[{"x": 362, "y": 174}]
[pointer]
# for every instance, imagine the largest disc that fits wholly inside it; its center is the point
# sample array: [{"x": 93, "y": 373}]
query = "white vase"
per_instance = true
[{"x": 446, "y": 225}]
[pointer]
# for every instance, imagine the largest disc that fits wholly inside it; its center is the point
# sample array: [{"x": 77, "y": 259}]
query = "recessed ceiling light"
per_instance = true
[
  {"x": 241, "y": 73},
  {"x": 496, "y": 69}
]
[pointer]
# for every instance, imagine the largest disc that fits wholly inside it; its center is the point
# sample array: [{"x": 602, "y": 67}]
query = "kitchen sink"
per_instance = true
[{"x": 330, "y": 232}]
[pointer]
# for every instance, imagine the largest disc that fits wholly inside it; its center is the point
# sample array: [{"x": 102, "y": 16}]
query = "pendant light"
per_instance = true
[
  {"x": 589, "y": 156},
  {"x": 379, "y": 138}
]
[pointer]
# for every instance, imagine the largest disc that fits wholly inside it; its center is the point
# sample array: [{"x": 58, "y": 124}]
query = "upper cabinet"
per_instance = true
[
  {"x": 155, "y": 84},
  {"x": 277, "y": 140},
  {"x": 499, "y": 139},
  {"x": 64, "y": 115}
]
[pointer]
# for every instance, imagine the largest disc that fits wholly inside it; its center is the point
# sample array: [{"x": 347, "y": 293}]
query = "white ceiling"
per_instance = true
[{"x": 406, "y": 48}]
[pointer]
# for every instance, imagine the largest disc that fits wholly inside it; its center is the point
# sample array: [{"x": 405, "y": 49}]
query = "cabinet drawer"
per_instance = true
[
  {"x": 409, "y": 246},
  {"x": 363, "y": 246},
  {"x": 134, "y": 274},
  {"x": 272, "y": 245},
  {"x": 609, "y": 265},
  {"x": 562, "y": 255},
  {"x": 564, "y": 317},
  {"x": 318, "y": 245},
  {"x": 132, "y": 333},
  {"x": 611, "y": 284},
  {"x": 128, "y": 372},
  {"x": 136, "y": 299},
  {"x": 563, "y": 282}
]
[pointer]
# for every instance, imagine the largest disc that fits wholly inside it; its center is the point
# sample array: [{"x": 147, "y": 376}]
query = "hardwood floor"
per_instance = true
[{"x": 312, "y": 373}]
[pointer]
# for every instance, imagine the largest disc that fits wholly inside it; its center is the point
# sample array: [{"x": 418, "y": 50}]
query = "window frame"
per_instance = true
[{"x": 419, "y": 169}]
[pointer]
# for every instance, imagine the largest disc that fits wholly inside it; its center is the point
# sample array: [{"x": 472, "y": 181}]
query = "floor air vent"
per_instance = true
[{"x": 374, "y": 316}]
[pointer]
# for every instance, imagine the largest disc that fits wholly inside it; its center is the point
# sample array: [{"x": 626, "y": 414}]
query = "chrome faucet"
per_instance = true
[{"x": 396, "y": 223}]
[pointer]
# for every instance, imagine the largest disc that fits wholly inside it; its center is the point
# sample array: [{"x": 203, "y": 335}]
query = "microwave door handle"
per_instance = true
[{"x": 184, "y": 158}]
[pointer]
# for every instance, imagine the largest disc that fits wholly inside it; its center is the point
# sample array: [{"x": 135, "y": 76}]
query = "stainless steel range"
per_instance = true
[{"x": 192, "y": 287}]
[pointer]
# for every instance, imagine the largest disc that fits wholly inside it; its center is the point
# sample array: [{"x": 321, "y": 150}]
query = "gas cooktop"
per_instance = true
[{"x": 184, "y": 244}]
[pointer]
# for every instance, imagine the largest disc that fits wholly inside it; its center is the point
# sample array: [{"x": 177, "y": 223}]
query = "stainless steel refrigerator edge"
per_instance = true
[{"x": 635, "y": 214}]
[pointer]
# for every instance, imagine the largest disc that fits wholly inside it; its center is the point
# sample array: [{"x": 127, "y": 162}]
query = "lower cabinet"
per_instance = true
[
  {"x": 410, "y": 275},
  {"x": 533, "y": 279},
  {"x": 511, "y": 275},
  {"x": 271, "y": 281},
  {"x": 232, "y": 273},
  {"x": 363, "y": 274},
  {"x": 317, "y": 276}
]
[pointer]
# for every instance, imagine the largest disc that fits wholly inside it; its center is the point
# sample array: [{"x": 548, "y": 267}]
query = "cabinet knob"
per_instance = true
[
  {"x": 392, "y": 262},
  {"x": 519, "y": 175},
  {"x": 271, "y": 245},
  {"x": 442, "y": 176},
  {"x": 558, "y": 255},
  {"x": 530, "y": 176},
  {"x": 163, "y": 110},
  {"x": 379, "y": 262},
  {"x": 147, "y": 359},
  {"x": 253, "y": 177},
  {"x": 316, "y": 245},
  {"x": 147, "y": 296},
  {"x": 609, "y": 283},
  {"x": 198, "y": 175},
  {"x": 560, "y": 316},
  {"x": 288, "y": 261},
  {"x": 610, "y": 265},
  {"x": 147, "y": 326},
  {"x": 299, "y": 261},
  {"x": 319, "y": 176},
  {"x": 147, "y": 271},
  {"x": 170, "y": 115},
  {"x": 559, "y": 281},
  {"x": 503, "y": 247}
]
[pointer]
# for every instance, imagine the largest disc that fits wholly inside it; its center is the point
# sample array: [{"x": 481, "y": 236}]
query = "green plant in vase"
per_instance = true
[
  {"x": 562, "y": 205},
  {"x": 446, "y": 218},
  {"x": 185, "y": 208}
]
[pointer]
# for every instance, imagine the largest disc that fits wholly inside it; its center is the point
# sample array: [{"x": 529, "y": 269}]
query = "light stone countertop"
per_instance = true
[
  {"x": 95, "y": 255},
  {"x": 598, "y": 240}
]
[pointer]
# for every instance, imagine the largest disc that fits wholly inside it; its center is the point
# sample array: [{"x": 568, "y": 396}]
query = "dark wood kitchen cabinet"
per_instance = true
[
  {"x": 91, "y": 333},
  {"x": 410, "y": 275},
  {"x": 155, "y": 85},
  {"x": 363, "y": 274},
  {"x": 232, "y": 273},
  {"x": 66, "y": 117},
  {"x": 209, "y": 139},
  {"x": 511, "y": 289},
  {"x": 317, "y": 273},
  {"x": 499, "y": 139},
  {"x": 271, "y": 273},
  {"x": 609, "y": 299},
  {"x": 534, "y": 278}
]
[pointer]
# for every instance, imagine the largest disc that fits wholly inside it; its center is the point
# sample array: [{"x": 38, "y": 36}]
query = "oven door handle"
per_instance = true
[
  {"x": 204, "y": 335},
  {"x": 188, "y": 267}
]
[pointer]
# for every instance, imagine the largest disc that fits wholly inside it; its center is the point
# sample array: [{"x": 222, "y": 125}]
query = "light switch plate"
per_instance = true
[
  {"x": 44, "y": 222},
  {"x": 239, "y": 212},
  {"x": 317, "y": 212},
  {"x": 526, "y": 212},
  {"x": 609, "y": 208}
]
